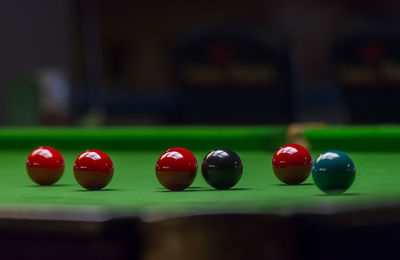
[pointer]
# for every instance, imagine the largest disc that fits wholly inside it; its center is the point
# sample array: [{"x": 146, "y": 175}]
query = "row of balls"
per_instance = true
[
  {"x": 177, "y": 167},
  {"x": 333, "y": 172},
  {"x": 93, "y": 169}
]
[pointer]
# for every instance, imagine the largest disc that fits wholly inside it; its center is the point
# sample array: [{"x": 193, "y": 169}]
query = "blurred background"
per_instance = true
[{"x": 95, "y": 63}]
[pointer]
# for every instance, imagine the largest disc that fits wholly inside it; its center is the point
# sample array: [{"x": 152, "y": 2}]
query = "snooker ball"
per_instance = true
[
  {"x": 333, "y": 172},
  {"x": 176, "y": 169},
  {"x": 222, "y": 168},
  {"x": 93, "y": 169},
  {"x": 45, "y": 165},
  {"x": 292, "y": 164}
]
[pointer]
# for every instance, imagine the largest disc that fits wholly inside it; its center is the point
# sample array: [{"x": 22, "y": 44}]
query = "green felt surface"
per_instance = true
[
  {"x": 145, "y": 138},
  {"x": 372, "y": 138},
  {"x": 135, "y": 186}
]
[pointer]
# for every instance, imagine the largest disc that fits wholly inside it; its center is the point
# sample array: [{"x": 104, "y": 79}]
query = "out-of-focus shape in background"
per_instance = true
[
  {"x": 36, "y": 36},
  {"x": 234, "y": 73},
  {"x": 367, "y": 67},
  {"x": 98, "y": 62}
]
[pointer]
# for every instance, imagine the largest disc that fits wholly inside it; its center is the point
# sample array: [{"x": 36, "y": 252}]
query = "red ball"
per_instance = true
[
  {"x": 45, "y": 165},
  {"x": 93, "y": 169},
  {"x": 176, "y": 169},
  {"x": 292, "y": 164}
]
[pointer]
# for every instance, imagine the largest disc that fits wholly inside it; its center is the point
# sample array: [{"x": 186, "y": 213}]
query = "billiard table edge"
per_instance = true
[{"x": 306, "y": 233}]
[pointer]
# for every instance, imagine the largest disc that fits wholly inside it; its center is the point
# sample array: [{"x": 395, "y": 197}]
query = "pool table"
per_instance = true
[{"x": 135, "y": 217}]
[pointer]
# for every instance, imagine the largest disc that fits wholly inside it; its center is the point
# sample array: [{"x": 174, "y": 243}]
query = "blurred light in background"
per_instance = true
[{"x": 98, "y": 62}]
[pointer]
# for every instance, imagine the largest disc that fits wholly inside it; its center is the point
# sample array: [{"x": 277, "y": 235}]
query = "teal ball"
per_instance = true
[{"x": 333, "y": 172}]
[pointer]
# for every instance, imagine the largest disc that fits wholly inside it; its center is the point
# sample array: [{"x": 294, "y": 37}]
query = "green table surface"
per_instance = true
[{"x": 135, "y": 187}]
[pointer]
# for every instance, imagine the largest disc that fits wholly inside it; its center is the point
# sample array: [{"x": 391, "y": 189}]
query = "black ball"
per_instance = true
[{"x": 222, "y": 168}]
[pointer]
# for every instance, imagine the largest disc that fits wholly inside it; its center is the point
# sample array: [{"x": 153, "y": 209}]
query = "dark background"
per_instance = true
[{"x": 198, "y": 62}]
